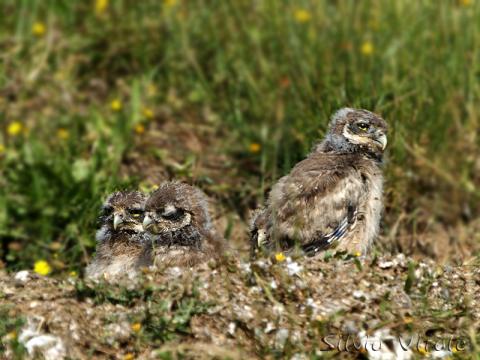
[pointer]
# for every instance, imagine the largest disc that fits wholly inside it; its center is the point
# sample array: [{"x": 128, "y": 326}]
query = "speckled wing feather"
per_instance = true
[
  {"x": 323, "y": 242},
  {"x": 316, "y": 204}
]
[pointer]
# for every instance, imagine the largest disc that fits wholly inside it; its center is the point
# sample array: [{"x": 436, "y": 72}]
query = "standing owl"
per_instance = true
[
  {"x": 333, "y": 198},
  {"x": 121, "y": 238},
  {"x": 179, "y": 226}
]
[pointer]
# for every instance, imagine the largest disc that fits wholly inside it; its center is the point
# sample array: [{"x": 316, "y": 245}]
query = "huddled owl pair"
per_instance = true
[
  {"x": 171, "y": 227},
  {"x": 332, "y": 199}
]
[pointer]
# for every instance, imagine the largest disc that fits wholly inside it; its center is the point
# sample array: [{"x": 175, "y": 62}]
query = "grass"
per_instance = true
[
  {"x": 79, "y": 81},
  {"x": 9, "y": 327}
]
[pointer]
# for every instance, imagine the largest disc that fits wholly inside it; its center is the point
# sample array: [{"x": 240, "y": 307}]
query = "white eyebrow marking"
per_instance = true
[{"x": 169, "y": 209}]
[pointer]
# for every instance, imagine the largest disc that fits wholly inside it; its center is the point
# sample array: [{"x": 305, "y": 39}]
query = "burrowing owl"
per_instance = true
[
  {"x": 333, "y": 198},
  {"x": 121, "y": 238},
  {"x": 179, "y": 227}
]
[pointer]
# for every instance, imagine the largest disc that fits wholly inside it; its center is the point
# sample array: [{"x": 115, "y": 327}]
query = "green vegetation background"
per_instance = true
[{"x": 81, "y": 81}]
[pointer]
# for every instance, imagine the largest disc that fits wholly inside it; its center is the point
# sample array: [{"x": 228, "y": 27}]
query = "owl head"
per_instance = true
[
  {"x": 176, "y": 207},
  {"x": 123, "y": 212},
  {"x": 353, "y": 130}
]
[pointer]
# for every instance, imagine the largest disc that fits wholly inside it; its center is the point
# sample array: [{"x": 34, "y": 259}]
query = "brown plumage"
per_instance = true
[
  {"x": 178, "y": 224},
  {"x": 121, "y": 238},
  {"x": 333, "y": 198}
]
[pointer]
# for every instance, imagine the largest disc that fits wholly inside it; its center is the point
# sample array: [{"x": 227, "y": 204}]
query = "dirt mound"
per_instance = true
[{"x": 294, "y": 308}]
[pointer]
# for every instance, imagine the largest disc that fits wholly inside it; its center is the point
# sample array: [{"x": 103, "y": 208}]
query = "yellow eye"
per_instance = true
[
  {"x": 136, "y": 213},
  {"x": 363, "y": 126}
]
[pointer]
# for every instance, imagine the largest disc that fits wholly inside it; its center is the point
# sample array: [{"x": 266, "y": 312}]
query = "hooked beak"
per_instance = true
[
  {"x": 147, "y": 221},
  {"x": 261, "y": 237},
  {"x": 382, "y": 140},
  {"x": 117, "y": 220}
]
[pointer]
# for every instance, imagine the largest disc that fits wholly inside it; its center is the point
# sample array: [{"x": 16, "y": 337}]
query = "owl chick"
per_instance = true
[
  {"x": 179, "y": 226},
  {"x": 121, "y": 238},
  {"x": 333, "y": 198}
]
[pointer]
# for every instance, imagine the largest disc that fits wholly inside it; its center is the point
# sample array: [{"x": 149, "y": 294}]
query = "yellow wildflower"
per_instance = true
[
  {"x": 423, "y": 350},
  {"x": 148, "y": 113},
  {"x": 100, "y": 6},
  {"x": 466, "y": 2},
  {"x": 116, "y": 105},
  {"x": 129, "y": 356},
  {"x": 302, "y": 15},
  {"x": 14, "y": 128},
  {"x": 139, "y": 129},
  {"x": 169, "y": 3},
  {"x": 367, "y": 48},
  {"x": 63, "y": 134},
  {"x": 408, "y": 320},
  {"x": 73, "y": 274},
  {"x": 12, "y": 335},
  {"x": 2, "y": 149},
  {"x": 38, "y": 29},
  {"x": 280, "y": 257},
  {"x": 42, "y": 267},
  {"x": 357, "y": 254},
  {"x": 136, "y": 327},
  {"x": 254, "y": 148}
]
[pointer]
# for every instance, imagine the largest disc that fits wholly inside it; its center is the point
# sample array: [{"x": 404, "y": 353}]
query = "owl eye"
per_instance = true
[
  {"x": 136, "y": 213},
  {"x": 363, "y": 126}
]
